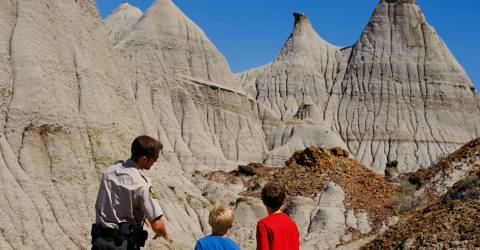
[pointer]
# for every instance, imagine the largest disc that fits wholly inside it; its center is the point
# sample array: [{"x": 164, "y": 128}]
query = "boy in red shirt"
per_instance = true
[{"x": 276, "y": 231}]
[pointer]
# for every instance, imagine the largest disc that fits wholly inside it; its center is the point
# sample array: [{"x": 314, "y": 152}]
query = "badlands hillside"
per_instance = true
[
  {"x": 75, "y": 90},
  {"x": 451, "y": 221}
]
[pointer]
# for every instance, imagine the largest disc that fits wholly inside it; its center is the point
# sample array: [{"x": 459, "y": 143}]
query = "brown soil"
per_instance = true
[
  {"x": 468, "y": 151},
  {"x": 307, "y": 172},
  {"x": 422, "y": 177},
  {"x": 452, "y": 222}
]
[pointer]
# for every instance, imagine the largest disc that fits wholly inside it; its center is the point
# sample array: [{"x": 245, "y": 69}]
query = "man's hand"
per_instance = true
[
  {"x": 146, "y": 222},
  {"x": 166, "y": 236}
]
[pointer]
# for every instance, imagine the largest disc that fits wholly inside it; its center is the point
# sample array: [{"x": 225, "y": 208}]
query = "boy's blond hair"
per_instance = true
[{"x": 221, "y": 218}]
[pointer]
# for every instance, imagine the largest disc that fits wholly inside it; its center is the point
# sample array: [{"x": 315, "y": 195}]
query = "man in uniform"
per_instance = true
[{"x": 126, "y": 200}]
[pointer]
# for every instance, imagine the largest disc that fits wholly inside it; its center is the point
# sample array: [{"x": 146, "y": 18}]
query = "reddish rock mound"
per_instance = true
[
  {"x": 452, "y": 222},
  {"x": 307, "y": 172},
  {"x": 467, "y": 153},
  {"x": 436, "y": 180}
]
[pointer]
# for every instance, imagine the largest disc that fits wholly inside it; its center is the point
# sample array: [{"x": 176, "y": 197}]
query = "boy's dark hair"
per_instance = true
[
  {"x": 273, "y": 195},
  {"x": 145, "y": 145}
]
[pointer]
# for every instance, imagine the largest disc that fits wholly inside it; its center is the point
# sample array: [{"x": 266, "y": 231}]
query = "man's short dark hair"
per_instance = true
[
  {"x": 145, "y": 145},
  {"x": 273, "y": 195}
]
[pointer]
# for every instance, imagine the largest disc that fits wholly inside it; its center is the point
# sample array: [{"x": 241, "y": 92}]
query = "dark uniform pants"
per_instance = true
[
  {"x": 110, "y": 243},
  {"x": 109, "y": 239}
]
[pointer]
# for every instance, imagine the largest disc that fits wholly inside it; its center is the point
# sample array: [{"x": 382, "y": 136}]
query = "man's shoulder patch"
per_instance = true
[{"x": 152, "y": 193}]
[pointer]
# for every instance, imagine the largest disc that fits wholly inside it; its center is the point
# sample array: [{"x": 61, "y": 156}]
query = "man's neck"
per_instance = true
[{"x": 136, "y": 164}]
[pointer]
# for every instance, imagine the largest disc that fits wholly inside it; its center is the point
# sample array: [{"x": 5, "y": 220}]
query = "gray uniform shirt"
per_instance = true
[{"x": 125, "y": 195}]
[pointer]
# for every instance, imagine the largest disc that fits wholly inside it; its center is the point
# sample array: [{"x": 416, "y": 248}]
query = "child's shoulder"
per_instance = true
[
  {"x": 230, "y": 243},
  {"x": 208, "y": 240}
]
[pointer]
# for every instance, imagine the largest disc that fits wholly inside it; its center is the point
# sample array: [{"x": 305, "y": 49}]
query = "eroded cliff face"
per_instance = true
[
  {"x": 404, "y": 95},
  {"x": 397, "y": 94},
  {"x": 164, "y": 28},
  {"x": 75, "y": 91},
  {"x": 187, "y": 92},
  {"x": 304, "y": 71},
  {"x": 69, "y": 109},
  {"x": 297, "y": 88},
  {"x": 63, "y": 103},
  {"x": 121, "y": 21}
]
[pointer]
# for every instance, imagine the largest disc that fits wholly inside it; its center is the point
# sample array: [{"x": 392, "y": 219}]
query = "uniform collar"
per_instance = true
[{"x": 132, "y": 164}]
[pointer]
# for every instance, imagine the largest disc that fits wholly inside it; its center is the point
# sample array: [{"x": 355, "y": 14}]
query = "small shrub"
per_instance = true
[{"x": 404, "y": 202}]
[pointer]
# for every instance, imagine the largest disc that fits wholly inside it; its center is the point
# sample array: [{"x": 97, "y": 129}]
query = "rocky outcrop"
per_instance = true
[
  {"x": 397, "y": 94},
  {"x": 334, "y": 200},
  {"x": 303, "y": 73},
  {"x": 185, "y": 85},
  {"x": 121, "y": 21},
  {"x": 437, "y": 179},
  {"x": 71, "y": 105},
  {"x": 297, "y": 87},
  {"x": 286, "y": 139},
  {"x": 453, "y": 222},
  {"x": 72, "y": 100},
  {"x": 64, "y": 100},
  {"x": 181, "y": 48},
  {"x": 404, "y": 96}
]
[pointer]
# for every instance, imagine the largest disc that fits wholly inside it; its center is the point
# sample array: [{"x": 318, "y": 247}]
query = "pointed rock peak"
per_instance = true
[
  {"x": 165, "y": 6},
  {"x": 304, "y": 43},
  {"x": 301, "y": 24},
  {"x": 184, "y": 49},
  {"x": 300, "y": 18},
  {"x": 399, "y": 1},
  {"x": 166, "y": 19},
  {"x": 125, "y": 6},
  {"x": 126, "y": 9},
  {"x": 122, "y": 20}
]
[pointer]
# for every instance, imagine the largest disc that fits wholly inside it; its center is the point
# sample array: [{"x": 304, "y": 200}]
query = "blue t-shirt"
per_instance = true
[{"x": 212, "y": 242}]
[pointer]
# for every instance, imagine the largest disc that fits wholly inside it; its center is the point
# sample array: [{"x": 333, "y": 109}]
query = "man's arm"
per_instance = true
[
  {"x": 154, "y": 213},
  {"x": 160, "y": 229}
]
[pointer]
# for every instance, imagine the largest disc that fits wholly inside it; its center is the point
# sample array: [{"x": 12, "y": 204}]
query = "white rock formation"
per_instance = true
[
  {"x": 71, "y": 106},
  {"x": 303, "y": 72},
  {"x": 185, "y": 85},
  {"x": 71, "y": 103},
  {"x": 284, "y": 140},
  {"x": 404, "y": 96},
  {"x": 324, "y": 221},
  {"x": 122, "y": 20},
  {"x": 397, "y": 94},
  {"x": 451, "y": 169},
  {"x": 181, "y": 48}
]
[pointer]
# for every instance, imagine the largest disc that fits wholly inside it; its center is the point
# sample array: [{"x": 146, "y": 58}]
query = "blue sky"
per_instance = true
[{"x": 251, "y": 32}]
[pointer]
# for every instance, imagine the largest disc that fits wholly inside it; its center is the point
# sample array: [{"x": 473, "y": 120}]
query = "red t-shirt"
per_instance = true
[{"x": 277, "y": 232}]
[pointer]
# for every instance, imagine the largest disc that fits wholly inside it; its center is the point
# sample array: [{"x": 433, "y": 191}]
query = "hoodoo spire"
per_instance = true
[
  {"x": 181, "y": 46},
  {"x": 407, "y": 93}
]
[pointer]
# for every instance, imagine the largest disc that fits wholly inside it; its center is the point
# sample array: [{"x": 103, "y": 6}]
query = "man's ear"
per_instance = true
[{"x": 142, "y": 159}]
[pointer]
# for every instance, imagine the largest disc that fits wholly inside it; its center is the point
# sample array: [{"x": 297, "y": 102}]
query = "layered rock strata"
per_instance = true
[
  {"x": 438, "y": 178},
  {"x": 121, "y": 21},
  {"x": 333, "y": 199},
  {"x": 297, "y": 87},
  {"x": 185, "y": 85},
  {"x": 71, "y": 105},
  {"x": 453, "y": 222},
  {"x": 404, "y": 95},
  {"x": 397, "y": 94}
]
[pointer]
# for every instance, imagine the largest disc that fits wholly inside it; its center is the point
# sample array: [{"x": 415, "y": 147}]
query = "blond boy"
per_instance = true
[{"x": 221, "y": 220}]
